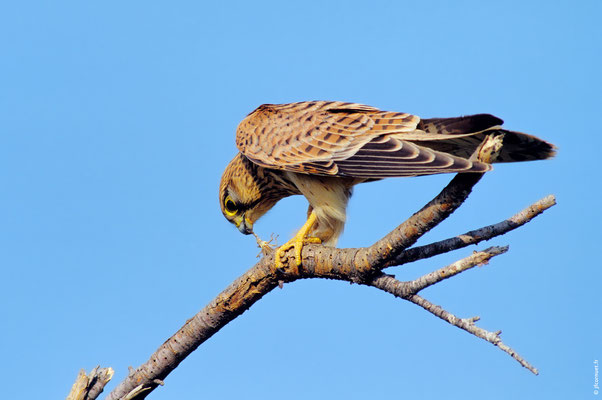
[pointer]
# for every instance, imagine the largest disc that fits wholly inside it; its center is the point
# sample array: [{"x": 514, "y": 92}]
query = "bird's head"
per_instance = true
[{"x": 243, "y": 194}]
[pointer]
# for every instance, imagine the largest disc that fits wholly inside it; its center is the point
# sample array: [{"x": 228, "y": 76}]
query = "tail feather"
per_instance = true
[{"x": 517, "y": 146}]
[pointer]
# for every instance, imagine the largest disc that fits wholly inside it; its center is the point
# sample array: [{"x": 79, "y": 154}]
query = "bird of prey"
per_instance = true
[{"x": 321, "y": 149}]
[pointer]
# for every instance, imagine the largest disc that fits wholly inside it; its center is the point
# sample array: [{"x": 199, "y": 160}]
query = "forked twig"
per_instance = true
[{"x": 409, "y": 291}]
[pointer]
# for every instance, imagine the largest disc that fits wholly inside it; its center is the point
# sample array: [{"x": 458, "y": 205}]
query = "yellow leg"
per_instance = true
[{"x": 297, "y": 242}]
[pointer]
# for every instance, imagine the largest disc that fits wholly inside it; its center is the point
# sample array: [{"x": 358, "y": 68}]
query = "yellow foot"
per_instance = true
[{"x": 297, "y": 243}]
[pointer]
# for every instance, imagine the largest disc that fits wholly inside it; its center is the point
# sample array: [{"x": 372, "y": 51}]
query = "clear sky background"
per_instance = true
[{"x": 118, "y": 118}]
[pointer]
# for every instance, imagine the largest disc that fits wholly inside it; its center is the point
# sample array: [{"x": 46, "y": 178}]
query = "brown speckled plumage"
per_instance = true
[{"x": 321, "y": 149}]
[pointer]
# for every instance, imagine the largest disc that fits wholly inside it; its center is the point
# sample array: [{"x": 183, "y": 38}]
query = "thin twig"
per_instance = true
[
  {"x": 409, "y": 291},
  {"x": 477, "y": 258},
  {"x": 469, "y": 326}
]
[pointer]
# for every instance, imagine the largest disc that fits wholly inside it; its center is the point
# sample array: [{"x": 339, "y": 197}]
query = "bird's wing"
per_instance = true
[{"x": 346, "y": 139}]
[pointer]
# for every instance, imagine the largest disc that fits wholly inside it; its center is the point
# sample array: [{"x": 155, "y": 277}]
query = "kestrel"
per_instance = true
[{"x": 321, "y": 149}]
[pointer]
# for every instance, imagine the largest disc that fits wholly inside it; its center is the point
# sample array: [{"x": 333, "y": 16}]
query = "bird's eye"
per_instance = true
[{"x": 230, "y": 206}]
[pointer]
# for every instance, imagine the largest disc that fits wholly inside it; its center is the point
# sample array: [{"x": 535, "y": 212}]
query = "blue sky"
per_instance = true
[{"x": 117, "y": 119}]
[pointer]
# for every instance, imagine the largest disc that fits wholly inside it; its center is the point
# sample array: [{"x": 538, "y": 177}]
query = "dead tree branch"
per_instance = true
[
  {"x": 361, "y": 265},
  {"x": 409, "y": 291},
  {"x": 90, "y": 386},
  {"x": 476, "y": 236}
]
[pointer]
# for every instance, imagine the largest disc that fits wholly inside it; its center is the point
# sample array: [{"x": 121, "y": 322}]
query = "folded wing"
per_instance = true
[{"x": 354, "y": 140}]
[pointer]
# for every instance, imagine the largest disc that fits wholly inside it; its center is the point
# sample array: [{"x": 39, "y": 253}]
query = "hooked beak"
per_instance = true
[{"x": 244, "y": 226}]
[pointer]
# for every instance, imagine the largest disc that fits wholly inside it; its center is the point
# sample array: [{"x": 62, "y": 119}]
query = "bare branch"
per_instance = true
[
  {"x": 468, "y": 325},
  {"x": 229, "y": 304},
  {"x": 477, "y": 258},
  {"x": 381, "y": 253},
  {"x": 409, "y": 291},
  {"x": 351, "y": 265},
  {"x": 402, "y": 289},
  {"x": 88, "y": 387},
  {"x": 476, "y": 236}
]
